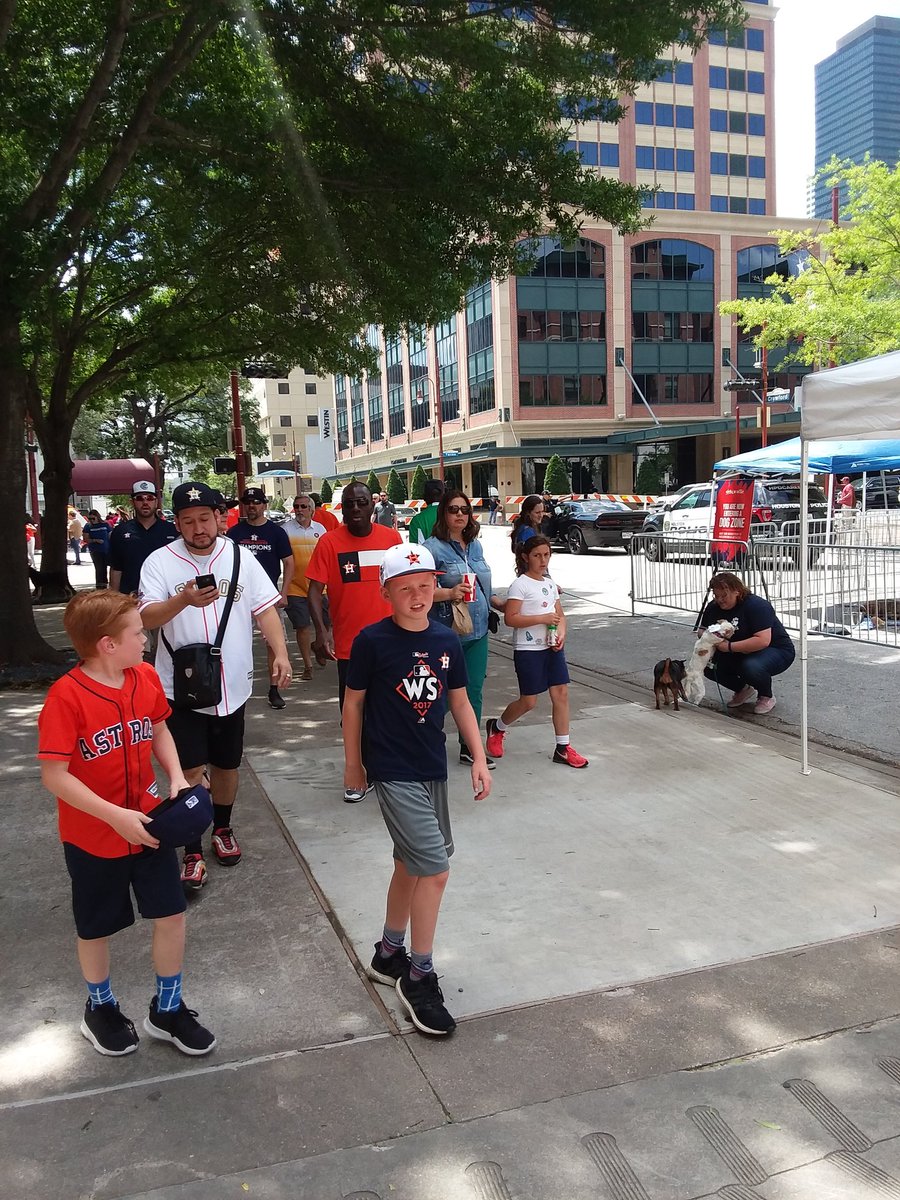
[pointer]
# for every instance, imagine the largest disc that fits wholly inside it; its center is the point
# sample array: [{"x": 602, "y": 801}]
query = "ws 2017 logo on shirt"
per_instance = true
[{"x": 422, "y": 688}]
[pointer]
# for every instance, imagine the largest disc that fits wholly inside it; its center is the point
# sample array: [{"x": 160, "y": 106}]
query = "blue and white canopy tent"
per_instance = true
[{"x": 849, "y": 422}]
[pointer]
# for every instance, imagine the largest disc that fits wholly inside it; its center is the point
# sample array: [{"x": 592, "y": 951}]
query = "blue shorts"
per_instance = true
[
  {"x": 538, "y": 670},
  {"x": 102, "y": 887}
]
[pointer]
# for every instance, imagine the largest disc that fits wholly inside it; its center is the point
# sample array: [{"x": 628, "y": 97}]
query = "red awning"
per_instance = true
[{"x": 106, "y": 477}]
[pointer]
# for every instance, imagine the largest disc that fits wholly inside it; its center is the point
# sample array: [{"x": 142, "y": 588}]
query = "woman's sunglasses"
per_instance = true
[{"x": 459, "y": 508}]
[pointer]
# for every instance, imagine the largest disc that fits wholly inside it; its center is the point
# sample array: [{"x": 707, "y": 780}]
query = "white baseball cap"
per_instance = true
[
  {"x": 144, "y": 487},
  {"x": 406, "y": 559}
]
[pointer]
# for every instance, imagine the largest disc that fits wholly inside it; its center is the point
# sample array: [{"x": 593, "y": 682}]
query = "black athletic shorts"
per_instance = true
[
  {"x": 201, "y": 738},
  {"x": 102, "y": 887}
]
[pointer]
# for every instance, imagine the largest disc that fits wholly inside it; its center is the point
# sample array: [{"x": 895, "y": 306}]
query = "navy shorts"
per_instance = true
[
  {"x": 538, "y": 670},
  {"x": 102, "y": 887},
  {"x": 299, "y": 615},
  {"x": 202, "y": 738}
]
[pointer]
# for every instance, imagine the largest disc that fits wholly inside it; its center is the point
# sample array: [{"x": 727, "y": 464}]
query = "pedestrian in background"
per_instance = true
[
  {"x": 422, "y": 524},
  {"x": 74, "y": 532},
  {"x": 134, "y": 539},
  {"x": 303, "y": 534},
  {"x": 96, "y": 536},
  {"x": 527, "y": 523}
]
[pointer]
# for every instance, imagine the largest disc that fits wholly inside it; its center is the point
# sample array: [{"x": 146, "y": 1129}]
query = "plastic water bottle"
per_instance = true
[{"x": 551, "y": 636}]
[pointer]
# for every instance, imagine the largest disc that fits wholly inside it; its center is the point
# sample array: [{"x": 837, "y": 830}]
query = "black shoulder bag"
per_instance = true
[{"x": 197, "y": 669}]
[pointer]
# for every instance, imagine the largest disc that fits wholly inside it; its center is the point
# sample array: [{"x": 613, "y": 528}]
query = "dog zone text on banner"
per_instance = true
[{"x": 734, "y": 508}]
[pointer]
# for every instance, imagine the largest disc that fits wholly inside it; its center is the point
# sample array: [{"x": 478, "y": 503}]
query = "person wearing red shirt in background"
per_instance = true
[
  {"x": 347, "y": 561},
  {"x": 322, "y": 515},
  {"x": 847, "y": 498}
]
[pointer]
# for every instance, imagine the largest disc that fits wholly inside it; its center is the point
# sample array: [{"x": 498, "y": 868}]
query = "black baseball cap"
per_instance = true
[
  {"x": 195, "y": 495},
  {"x": 254, "y": 495}
]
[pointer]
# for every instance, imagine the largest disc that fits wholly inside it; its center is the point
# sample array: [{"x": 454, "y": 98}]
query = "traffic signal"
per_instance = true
[{"x": 224, "y": 466}]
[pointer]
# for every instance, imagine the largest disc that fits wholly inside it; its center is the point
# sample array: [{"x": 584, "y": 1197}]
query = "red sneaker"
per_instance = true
[
  {"x": 193, "y": 872},
  {"x": 494, "y": 745},
  {"x": 226, "y": 847},
  {"x": 569, "y": 757}
]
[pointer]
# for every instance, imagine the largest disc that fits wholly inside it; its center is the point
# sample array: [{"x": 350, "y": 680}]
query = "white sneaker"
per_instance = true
[
  {"x": 764, "y": 705},
  {"x": 746, "y": 693},
  {"x": 354, "y": 795}
]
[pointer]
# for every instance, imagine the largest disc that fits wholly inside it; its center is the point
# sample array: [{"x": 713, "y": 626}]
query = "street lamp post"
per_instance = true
[{"x": 238, "y": 433}]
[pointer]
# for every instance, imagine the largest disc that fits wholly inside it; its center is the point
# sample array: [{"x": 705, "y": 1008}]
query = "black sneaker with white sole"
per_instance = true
[
  {"x": 388, "y": 970},
  {"x": 180, "y": 1027},
  {"x": 424, "y": 1004},
  {"x": 108, "y": 1030},
  {"x": 354, "y": 795},
  {"x": 465, "y": 757}
]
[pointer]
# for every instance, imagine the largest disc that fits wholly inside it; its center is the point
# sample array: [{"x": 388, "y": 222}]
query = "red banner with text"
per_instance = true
[{"x": 734, "y": 509}]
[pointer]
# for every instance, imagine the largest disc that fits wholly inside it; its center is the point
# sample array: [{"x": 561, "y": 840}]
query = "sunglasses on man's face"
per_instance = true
[
  {"x": 459, "y": 508},
  {"x": 356, "y": 502},
  {"x": 301, "y": 506}
]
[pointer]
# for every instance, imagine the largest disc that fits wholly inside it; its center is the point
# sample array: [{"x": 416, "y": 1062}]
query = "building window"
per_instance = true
[
  {"x": 279, "y": 439},
  {"x": 684, "y": 160},
  {"x": 644, "y": 158},
  {"x": 340, "y": 407},
  {"x": 737, "y": 122},
  {"x": 376, "y": 410},
  {"x": 535, "y": 325},
  {"x": 672, "y": 327},
  {"x": 310, "y": 389},
  {"x": 643, "y": 112},
  {"x": 756, "y": 124},
  {"x": 419, "y": 383},
  {"x": 357, "y": 413},
  {"x": 757, "y": 166},
  {"x": 684, "y": 116},
  {"x": 665, "y": 158},
  {"x": 685, "y": 201},
  {"x": 312, "y": 421},
  {"x": 737, "y": 164},
  {"x": 737, "y": 204},
  {"x": 737, "y": 79},
  {"x": 448, "y": 369},
  {"x": 285, "y": 422},
  {"x": 583, "y": 260},
  {"x": 396, "y": 406},
  {"x": 718, "y": 77},
  {"x": 718, "y": 120},
  {"x": 588, "y": 153},
  {"x": 756, "y": 263},
  {"x": 684, "y": 72},
  {"x": 756, "y": 82},
  {"x": 480, "y": 342},
  {"x": 665, "y": 115},
  {"x": 756, "y": 207},
  {"x": 665, "y": 199},
  {"x": 718, "y": 163},
  {"x": 718, "y": 204},
  {"x": 674, "y": 389},
  {"x": 672, "y": 258},
  {"x": 559, "y": 391},
  {"x": 284, "y": 389},
  {"x": 609, "y": 154}
]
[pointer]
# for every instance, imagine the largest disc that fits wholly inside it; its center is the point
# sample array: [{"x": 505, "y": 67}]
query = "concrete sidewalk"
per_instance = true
[{"x": 675, "y": 975}]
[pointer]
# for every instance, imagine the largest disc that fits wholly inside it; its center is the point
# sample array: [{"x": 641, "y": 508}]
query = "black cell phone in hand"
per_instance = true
[{"x": 205, "y": 581}]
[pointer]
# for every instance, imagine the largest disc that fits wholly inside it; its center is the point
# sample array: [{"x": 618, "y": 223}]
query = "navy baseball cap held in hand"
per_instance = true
[{"x": 183, "y": 818}]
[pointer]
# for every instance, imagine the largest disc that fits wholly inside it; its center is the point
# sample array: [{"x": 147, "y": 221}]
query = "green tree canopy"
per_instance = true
[
  {"x": 372, "y": 483},
  {"x": 395, "y": 488},
  {"x": 197, "y": 183},
  {"x": 417, "y": 484},
  {"x": 326, "y": 492},
  {"x": 556, "y": 479},
  {"x": 845, "y": 302}
]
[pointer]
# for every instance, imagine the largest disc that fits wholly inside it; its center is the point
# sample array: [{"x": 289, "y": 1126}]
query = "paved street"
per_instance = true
[{"x": 675, "y": 973}]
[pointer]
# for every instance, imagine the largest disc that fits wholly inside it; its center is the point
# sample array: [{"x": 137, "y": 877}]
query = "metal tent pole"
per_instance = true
[{"x": 804, "y": 605}]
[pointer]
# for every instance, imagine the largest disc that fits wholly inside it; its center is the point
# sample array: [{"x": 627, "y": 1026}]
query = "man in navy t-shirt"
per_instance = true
[
  {"x": 404, "y": 673},
  {"x": 271, "y": 547},
  {"x": 132, "y": 542}
]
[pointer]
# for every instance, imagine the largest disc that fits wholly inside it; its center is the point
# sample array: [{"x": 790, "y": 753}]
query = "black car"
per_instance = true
[
  {"x": 878, "y": 494},
  {"x": 581, "y": 525}
]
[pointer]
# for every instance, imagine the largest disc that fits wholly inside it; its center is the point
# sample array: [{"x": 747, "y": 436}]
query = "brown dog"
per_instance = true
[{"x": 668, "y": 675}]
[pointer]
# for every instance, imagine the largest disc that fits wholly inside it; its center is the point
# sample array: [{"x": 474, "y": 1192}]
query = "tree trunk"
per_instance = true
[
  {"x": 57, "y": 480},
  {"x": 21, "y": 646}
]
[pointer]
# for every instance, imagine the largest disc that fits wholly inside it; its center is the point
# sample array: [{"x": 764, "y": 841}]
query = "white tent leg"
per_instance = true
[{"x": 804, "y": 604}]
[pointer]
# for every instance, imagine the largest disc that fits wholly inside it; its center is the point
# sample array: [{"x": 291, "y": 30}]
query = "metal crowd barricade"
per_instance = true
[{"x": 853, "y": 584}]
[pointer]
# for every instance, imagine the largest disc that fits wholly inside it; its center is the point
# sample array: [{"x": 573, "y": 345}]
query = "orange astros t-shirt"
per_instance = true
[
  {"x": 348, "y": 566},
  {"x": 105, "y": 735}
]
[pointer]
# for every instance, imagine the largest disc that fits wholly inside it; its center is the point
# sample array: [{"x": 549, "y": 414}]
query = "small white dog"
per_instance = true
[{"x": 694, "y": 685}]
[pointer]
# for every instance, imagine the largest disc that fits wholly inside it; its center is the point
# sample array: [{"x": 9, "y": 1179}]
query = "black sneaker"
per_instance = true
[
  {"x": 108, "y": 1030},
  {"x": 388, "y": 970},
  {"x": 180, "y": 1027},
  {"x": 424, "y": 1004},
  {"x": 465, "y": 757},
  {"x": 276, "y": 700}
]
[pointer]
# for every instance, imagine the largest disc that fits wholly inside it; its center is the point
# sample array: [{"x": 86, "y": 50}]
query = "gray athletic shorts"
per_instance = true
[
  {"x": 298, "y": 612},
  {"x": 417, "y": 815}
]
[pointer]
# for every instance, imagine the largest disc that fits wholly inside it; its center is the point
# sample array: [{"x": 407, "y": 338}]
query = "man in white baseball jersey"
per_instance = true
[{"x": 171, "y": 598}]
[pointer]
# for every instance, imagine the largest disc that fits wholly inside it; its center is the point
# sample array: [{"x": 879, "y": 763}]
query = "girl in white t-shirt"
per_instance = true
[{"x": 532, "y": 609}]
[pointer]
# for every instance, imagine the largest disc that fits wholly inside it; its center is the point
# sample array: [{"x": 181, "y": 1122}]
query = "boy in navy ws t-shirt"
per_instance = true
[{"x": 403, "y": 673}]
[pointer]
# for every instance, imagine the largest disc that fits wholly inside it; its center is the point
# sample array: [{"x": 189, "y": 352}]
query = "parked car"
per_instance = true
[
  {"x": 876, "y": 489},
  {"x": 668, "y": 500},
  {"x": 688, "y": 523},
  {"x": 405, "y": 514},
  {"x": 581, "y": 525},
  {"x": 277, "y": 517}
]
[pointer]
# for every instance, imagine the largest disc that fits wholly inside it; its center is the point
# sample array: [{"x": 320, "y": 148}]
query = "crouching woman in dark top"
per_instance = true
[{"x": 758, "y": 649}]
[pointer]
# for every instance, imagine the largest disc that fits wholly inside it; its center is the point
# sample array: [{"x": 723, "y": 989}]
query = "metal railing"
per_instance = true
[{"x": 853, "y": 585}]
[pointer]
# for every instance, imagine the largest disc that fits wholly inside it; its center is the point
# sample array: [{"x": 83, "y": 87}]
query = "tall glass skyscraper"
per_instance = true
[{"x": 858, "y": 100}]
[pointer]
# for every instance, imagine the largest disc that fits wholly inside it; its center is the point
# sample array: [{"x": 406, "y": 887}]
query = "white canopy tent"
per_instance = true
[{"x": 860, "y": 401}]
